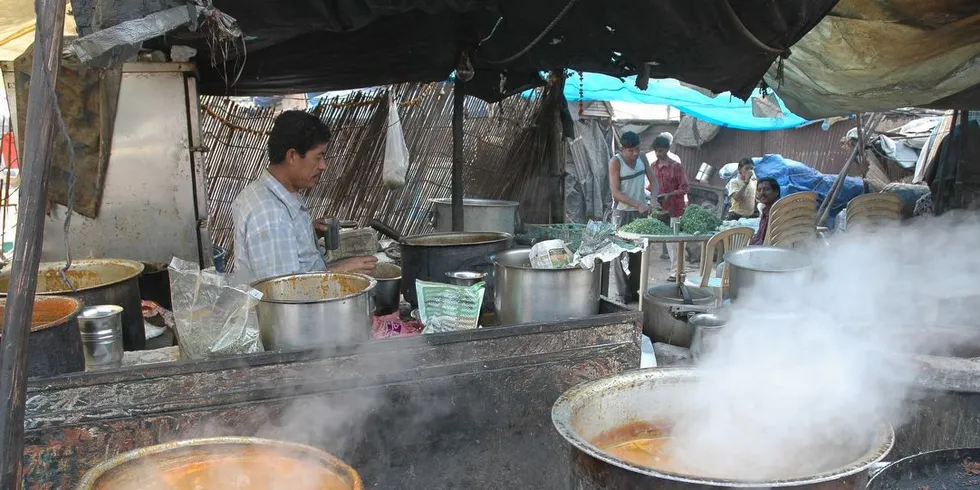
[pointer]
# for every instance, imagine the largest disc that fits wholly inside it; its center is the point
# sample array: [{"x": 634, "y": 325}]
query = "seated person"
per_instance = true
[{"x": 767, "y": 193}]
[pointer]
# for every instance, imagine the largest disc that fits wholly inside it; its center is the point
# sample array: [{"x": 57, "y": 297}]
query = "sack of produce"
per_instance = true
[
  {"x": 449, "y": 308},
  {"x": 550, "y": 254}
]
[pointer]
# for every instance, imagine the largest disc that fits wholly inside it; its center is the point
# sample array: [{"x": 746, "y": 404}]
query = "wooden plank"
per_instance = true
[{"x": 42, "y": 128}]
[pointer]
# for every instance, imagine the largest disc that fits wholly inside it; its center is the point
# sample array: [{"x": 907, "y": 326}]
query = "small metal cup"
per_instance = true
[
  {"x": 707, "y": 328},
  {"x": 101, "y": 331},
  {"x": 465, "y": 278}
]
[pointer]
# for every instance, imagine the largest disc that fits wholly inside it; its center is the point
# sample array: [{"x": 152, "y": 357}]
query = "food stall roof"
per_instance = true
[
  {"x": 316, "y": 45},
  {"x": 17, "y": 25},
  {"x": 875, "y": 55}
]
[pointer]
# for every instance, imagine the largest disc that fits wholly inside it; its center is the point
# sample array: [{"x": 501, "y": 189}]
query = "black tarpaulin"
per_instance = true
[{"x": 319, "y": 45}]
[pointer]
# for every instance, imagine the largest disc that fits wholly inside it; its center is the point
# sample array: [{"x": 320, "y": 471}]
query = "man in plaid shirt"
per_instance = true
[{"x": 274, "y": 234}]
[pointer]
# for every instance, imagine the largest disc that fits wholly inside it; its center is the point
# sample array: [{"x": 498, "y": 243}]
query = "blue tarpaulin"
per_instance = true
[
  {"x": 796, "y": 177},
  {"x": 723, "y": 110}
]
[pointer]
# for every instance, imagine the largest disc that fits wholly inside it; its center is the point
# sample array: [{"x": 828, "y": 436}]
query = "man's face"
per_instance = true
[
  {"x": 766, "y": 194},
  {"x": 661, "y": 153},
  {"x": 631, "y": 154},
  {"x": 305, "y": 169},
  {"x": 745, "y": 171}
]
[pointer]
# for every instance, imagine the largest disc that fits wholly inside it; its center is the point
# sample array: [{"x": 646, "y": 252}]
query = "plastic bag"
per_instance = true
[
  {"x": 550, "y": 254},
  {"x": 600, "y": 243},
  {"x": 449, "y": 308},
  {"x": 212, "y": 317},
  {"x": 396, "y": 151}
]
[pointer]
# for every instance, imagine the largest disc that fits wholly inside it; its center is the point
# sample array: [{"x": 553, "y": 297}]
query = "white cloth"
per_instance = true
[
  {"x": 274, "y": 233},
  {"x": 672, "y": 250}
]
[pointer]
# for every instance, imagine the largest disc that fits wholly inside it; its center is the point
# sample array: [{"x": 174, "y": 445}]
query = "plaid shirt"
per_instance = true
[
  {"x": 273, "y": 232},
  {"x": 672, "y": 178}
]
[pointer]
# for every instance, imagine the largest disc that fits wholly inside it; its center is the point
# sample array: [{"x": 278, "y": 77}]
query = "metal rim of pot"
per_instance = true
[
  {"x": 934, "y": 459},
  {"x": 372, "y": 283},
  {"x": 420, "y": 240},
  {"x": 137, "y": 269},
  {"x": 386, "y": 265},
  {"x": 731, "y": 258},
  {"x": 489, "y": 203},
  {"x": 90, "y": 478},
  {"x": 493, "y": 258},
  {"x": 79, "y": 305},
  {"x": 561, "y": 418}
]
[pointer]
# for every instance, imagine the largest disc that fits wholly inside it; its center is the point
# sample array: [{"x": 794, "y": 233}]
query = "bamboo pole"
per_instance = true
[
  {"x": 458, "y": 99},
  {"x": 39, "y": 138}
]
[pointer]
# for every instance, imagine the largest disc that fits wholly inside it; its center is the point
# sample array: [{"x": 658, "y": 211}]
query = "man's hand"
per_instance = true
[
  {"x": 360, "y": 265},
  {"x": 663, "y": 197},
  {"x": 643, "y": 209},
  {"x": 321, "y": 226}
]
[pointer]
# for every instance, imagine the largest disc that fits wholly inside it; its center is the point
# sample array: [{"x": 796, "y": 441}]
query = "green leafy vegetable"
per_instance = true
[
  {"x": 648, "y": 226},
  {"x": 699, "y": 220}
]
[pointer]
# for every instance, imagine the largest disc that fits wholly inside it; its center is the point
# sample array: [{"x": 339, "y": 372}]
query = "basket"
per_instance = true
[{"x": 571, "y": 234}]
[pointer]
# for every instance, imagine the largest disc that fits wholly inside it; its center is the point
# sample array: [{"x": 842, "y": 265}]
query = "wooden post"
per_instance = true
[
  {"x": 458, "y": 188},
  {"x": 39, "y": 138}
]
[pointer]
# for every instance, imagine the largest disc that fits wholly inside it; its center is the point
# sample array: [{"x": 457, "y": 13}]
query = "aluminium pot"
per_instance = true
[
  {"x": 214, "y": 463},
  {"x": 55, "y": 344},
  {"x": 524, "y": 294},
  {"x": 945, "y": 468},
  {"x": 98, "y": 282},
  {"x": 593, "y": 409},
  {"x": 478, "y": 215},
  {"x": 665, "y": 314},
  {"x": 388, "y": 292},
  {"x": 429, "y": 257},
  {"x": 317, "y": 309},
  {"x": 768, "y": 270}
]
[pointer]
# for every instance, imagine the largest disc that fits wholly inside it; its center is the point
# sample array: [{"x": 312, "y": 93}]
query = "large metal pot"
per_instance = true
[
  {"x": 223, "y": 463},
  {"x": 586, "y": 412},
  {"x": 430, "y": 257},
  {"x": 524, "y": 294},
  {"x": 766, "y": 269},
  {"x": 55, "y": 345},
  {"x": 478, "y": 215},
  {"x": 945, "y": 468},
  {"x": 318, "y": 309},
  {"x": 98, "y": 282},
  {"x": 665, "y": 312}
]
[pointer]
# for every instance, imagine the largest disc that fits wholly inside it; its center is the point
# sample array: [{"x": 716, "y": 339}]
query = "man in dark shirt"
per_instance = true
[{"x": 767, "y": 192}]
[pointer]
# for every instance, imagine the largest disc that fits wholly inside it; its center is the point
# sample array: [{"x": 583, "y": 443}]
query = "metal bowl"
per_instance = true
[
  {"x": 254, "y": 463},
  {"x": 598, "y": 407}
]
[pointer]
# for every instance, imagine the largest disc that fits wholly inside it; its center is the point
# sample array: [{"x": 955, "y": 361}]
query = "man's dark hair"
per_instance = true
[
  {"x": 772, "y": 183},
  {"x": 629, "y": 139},
  {"x": 745, "y": 161},
  {"x": 296, "y": 130}
]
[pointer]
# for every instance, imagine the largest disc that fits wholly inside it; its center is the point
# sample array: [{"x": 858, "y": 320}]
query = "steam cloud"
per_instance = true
[{"x": 803, "y": 374}]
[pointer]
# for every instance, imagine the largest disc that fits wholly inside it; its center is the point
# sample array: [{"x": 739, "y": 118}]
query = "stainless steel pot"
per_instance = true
[
  {"x": 524, "y": 294},
  {"x": 707, "y": 329},
  {"x": 388, "y": 292},
  {"x": 54, "y": 346},
  {"x": 430, "y": 257},
  {"x": 98, "y": 282},
  {"x": 766, "y": 269},
  {"x": 465, "y": 278},
  {"x": 318, "y": 309},
  {"x": 267, "y": 463},
  {"x": 665, "y": 314},
  {"x": 588, "y": 411},
  {"x": 478, "y": 215}
]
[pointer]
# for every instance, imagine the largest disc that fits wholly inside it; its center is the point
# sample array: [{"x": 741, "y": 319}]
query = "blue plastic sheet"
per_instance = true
[
  {"x": 723, "y": 110},
  {"x": 796, "y": 177}
]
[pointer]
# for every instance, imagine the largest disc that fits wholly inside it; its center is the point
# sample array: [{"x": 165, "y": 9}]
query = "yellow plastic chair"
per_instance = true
[
  {"x": 793, "y": 221},
  {"x": 870, "y": 210},
  {"x": 728, "y": 240}
]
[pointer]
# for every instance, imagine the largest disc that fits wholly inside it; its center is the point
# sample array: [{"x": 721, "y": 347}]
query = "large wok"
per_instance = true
[
  {"x": 429, "y": 257},
  {"x": 946, "y": 468}
]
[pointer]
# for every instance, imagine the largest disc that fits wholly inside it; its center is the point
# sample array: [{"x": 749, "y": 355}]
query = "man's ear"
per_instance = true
[{"x": 291, "y": 154}]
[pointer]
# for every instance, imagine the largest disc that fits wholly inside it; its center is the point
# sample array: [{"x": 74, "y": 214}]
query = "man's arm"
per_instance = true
[
  {"x": 736, "y": 187},
  {"x": 682, "y": 185}
]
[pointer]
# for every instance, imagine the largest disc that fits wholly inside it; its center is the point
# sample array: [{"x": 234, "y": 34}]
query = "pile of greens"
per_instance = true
[
  {"x": 699, "y": 220},
  {"x": 648, "y": 226}
]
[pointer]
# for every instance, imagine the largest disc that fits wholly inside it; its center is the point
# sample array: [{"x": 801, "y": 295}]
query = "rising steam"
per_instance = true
[{"x": 804, "y": 373}]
